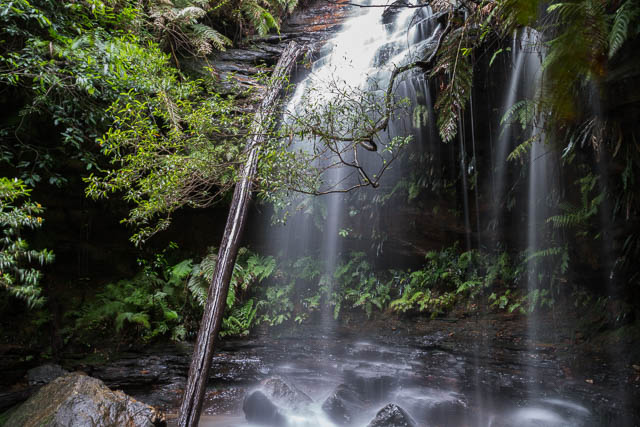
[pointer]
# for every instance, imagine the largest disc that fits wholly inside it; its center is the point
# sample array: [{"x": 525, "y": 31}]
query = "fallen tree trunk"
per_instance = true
[{"x": 214, "y": 309}]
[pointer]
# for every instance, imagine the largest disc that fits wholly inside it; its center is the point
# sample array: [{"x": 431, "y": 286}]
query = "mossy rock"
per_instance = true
[{"x": 79, "y": 400}]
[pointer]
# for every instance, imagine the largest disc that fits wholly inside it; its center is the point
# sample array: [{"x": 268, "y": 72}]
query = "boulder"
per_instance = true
[
  {"x": 343, "y": 405},
  {"x": 44, "y": 374},
  {"x": 260, "y": 410},
  {"x": 79, "y": 400},
  {"x": 285, "y": 394},
  {"x": 392, "y": 416}
]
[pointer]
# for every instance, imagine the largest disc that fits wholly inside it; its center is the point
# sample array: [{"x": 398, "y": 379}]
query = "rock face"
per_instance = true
[
  {"x": 392, "y": 416},
  {"x": 260, "y": 410},
  {"x": 343, "y": 405},
  {"x": 78, "y": 400}
]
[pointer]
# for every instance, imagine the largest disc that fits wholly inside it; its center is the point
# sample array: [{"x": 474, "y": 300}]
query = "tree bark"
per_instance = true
[{"x": 212, "y": 318}]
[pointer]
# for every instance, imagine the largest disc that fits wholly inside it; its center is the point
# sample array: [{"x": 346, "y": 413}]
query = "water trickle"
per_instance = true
[{"x": 521, "y": 54}]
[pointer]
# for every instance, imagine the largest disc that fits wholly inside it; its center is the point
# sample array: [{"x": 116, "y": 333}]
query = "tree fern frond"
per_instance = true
[
  {"x": 198, "y": 287},
  {"x": 454, "y": 66},
  {"x": 189, "y": 14},
  {"x": 544, "y": 253},
  {"x": 521, "y": 150},
  {"x": 209, "y": 35},
  {"x": 523, "y": 111},
  {"x": 628, "y": 12},
  {"x": 259, "y": 18}
]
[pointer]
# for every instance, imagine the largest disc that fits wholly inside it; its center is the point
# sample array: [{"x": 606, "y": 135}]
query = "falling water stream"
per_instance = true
[{"x": 434, "y": 386}]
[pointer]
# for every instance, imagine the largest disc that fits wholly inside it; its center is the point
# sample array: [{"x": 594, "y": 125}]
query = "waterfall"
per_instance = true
[
  {"x": 318, "y": 228},
  {"x": 363, "y": 60},
  {"x": 523, "y": 65}
]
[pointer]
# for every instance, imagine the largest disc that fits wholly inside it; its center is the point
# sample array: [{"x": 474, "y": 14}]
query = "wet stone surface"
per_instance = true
[
  {"x": 441, "y": 372},
  {"x": 444, "y": 372}
]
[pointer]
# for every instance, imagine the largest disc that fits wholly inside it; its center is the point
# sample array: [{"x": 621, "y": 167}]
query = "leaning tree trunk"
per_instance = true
[{"x": 217, "y": 296}]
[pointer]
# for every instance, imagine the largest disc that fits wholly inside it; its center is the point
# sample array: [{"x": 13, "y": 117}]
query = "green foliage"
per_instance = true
[
  {"x": 580, "y": 216},
  {"x": 144, "y": 307},
  {"x": 250, "y": 269},
  {"x": 178, "y": 27},
  {"x": 96, "y": 71},
  {"x": 18, "y": 276},
  {"x": 163, "y": 156},
  {"x": 277, "y": 305},
  {"x": 356, "y": 284},
  {"x": 239, "y": 320},
  {"x": 454, "y": 64},
  {"x": 623, "y": 25},
  {"x": 448, "y": 278}
]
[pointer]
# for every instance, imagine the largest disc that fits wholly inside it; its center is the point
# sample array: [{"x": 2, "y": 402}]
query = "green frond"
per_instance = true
[
  {"x": 189, "y": 14},
  {"x": 209, "y": 35},
  {"x": 545, "y": 253},
  {"x": 259, "y": 18},
  {"x": 198, "y": 286},
  {"x": 523, "y": 111},
  {"x": 521, "y": 150},
  {"x": 620, "y": 30},
  {"x": 453, "y": 65}
]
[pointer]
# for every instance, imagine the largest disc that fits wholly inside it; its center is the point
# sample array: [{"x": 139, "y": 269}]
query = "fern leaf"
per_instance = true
[
  {"x": 521, "y": 150},
  {"x": 456, "y": 68},
  {"x": 207, "y": 34},
  {"x": 621, "y": 23},
  {"x": 189, "y": 14}
]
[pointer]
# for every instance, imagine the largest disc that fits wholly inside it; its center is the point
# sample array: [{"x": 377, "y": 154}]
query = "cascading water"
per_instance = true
[
  {"x": 363, "y": 60},
  {"x": 436, "y": 386}
]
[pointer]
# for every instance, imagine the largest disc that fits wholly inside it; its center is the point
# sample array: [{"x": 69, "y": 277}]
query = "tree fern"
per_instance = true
[{"x": 178, "y": 23}]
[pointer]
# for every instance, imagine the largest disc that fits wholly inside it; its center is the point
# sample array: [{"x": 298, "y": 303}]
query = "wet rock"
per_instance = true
[
  {"x": 447, "y": 413},
  {"x": 44, "y": 374},
  {"x": 260, "y": 410},
  {"x": 437, "y": 407},
  {"x": 78, "y": 400},
  {"x": 392, "y": 416},
  {"x": 392, "y": 10},
  {"x": 343, "y": 405},
  {"x": 371, "y": 384},
  {"x": 285, "y": 394}
]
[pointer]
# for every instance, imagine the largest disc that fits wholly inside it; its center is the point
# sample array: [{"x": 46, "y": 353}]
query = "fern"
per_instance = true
[
  {"x": 622, "y": 21},
  {"x": 198, "y": 289},
  {"x": 544, "y": 253},
  {"x": 259, "y": 18},
  {"x": 521, "y": 150},
  {"x": 454, "y": 66},
  {"x": 178, "y": 24},
  {"x": 523, "y": 111},
  {"x": 139, "y": 318},
  {"x": 579, "y": 216},
  {"x": 204, "y": 34}
]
